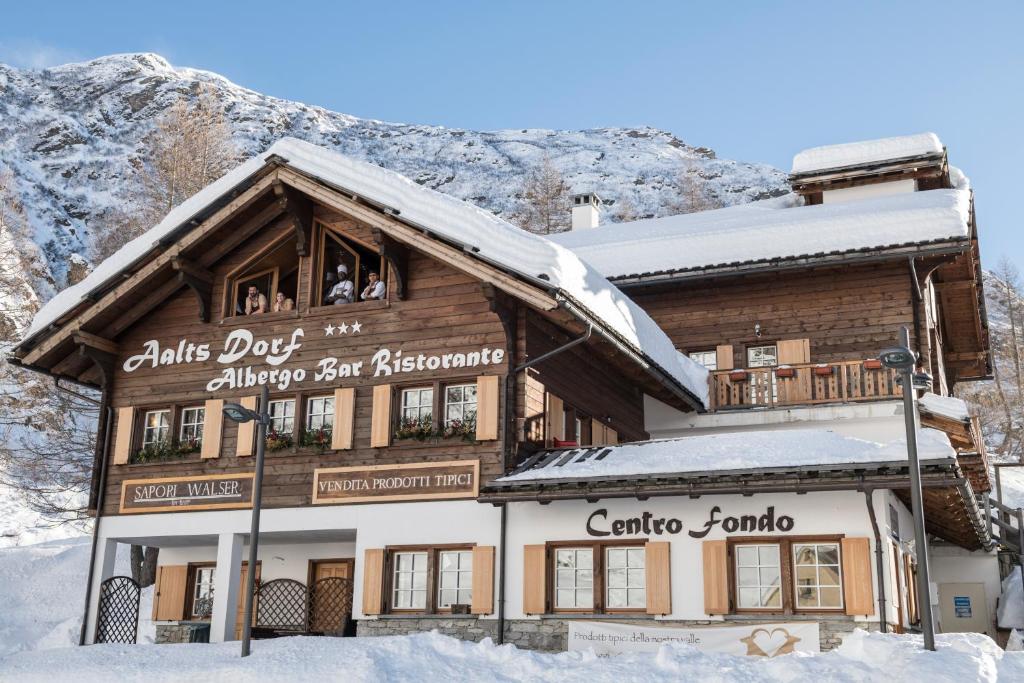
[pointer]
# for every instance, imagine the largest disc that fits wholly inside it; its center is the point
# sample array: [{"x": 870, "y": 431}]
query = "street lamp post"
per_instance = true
[
  {"x": 903, "y": 359},
  {"x": 241, "y": 414}
]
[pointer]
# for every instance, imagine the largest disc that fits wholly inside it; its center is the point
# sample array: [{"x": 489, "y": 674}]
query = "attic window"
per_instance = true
[
  {"x": 268, "y": 283},
  {"x": 348, "y": 270}
]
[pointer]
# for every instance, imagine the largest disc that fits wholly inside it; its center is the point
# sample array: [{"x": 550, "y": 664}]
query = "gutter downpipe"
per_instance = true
[
  {"x": 99, "y": 515},
  {"x": 883, "y": 625}
]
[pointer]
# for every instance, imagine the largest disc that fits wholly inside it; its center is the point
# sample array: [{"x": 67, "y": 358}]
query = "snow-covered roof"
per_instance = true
[
  {"x": 833, "y": 157},
  {"x": 945, "y": 406},
  {"x": 533, "y": 257},
  {"x": 769, "y": 230},
  {"x": 741, "y": 451}
]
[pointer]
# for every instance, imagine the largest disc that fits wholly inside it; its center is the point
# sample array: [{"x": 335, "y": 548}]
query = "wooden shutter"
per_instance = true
[
  {"x": 716, "y": 577},
  {"x": 659, "y": 578},
  {"x": 373, "y": 581},
  {"x": 247, "y": 430},
  {"x": 213, "y": 425},
  {"x": 723, "y": 357},
  {"x": 858, "y": 593},
  {"x": 344, "y": 417},
  {"x": 123, "y": 437},
  {"x": 597, "y": 435},
  {"x": 380, "y": 421},
  {"x": 794, "y": 351},
  {"x": 169, "y": 594},
  {"x": 911, "y": 584},
  {"x": 240, "y": 612},
  {"x": 483, "y": 579},
  {"x": 554, "y": 419},
  {"x": 611, "y": 437},
  {"x": 487, "y": 407},
  {"x": 535, "y": 574}
]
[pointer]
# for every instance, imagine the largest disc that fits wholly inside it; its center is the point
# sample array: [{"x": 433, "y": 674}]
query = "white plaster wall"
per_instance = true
[
  {"x": 951, "y": 564},
  {"x": 277, "y": 560},
  {"x": 852, "y": 194},
  {"x": 813, "y": 513}
]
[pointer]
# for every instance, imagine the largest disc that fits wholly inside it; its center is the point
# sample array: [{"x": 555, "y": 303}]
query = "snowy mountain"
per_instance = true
[{"x": 71, "y": 136}]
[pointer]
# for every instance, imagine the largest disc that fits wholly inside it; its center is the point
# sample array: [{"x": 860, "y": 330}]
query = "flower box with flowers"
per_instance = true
[
  {"x": 464, "y": 429},
  {"x": 162, "y": 451},
  {"x": 278, "y": 441},
  {"x": 418, "y": 428},
  {"x": 319, "y": 438}
]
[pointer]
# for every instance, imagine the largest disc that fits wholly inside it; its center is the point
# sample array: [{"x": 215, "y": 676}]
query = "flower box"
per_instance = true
[
  {"x": 738, "y": 376},
  {"x": 824, "y": 370},
  {"x": 559, "y": 443},
  {"x": 785, "y": 373},
  {"x": 872, "y": 364}
]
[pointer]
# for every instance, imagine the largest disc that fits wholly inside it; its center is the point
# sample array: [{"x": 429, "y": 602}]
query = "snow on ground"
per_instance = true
[
  {"x": 1012, "y": 479},
  {"x": 1011, "y": 602},
  {"x": 43, "y": 590},
  {"x": 433, "y": 657},
  {"x": 21, "y": 525}
]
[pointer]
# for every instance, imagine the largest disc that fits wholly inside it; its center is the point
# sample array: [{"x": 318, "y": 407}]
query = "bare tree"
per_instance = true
[
  {"x": 544, "y": 206},
  {"x": 692, "y": 191},
  {"x": 625, "y": 211}
]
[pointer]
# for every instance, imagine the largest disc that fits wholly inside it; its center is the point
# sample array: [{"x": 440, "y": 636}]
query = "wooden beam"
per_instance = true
[
  {"x": 238, "y": 235},
  {"x": 397, "y": 256},
  {"x": 83, "y": 338},
  {"x": 103, "y": 361},
  {"x": 955, "y": 285},
  {"x": 144, "y": 306},
  {"x": 300, "y": 210},
  {"x": 199, "y": 280}
]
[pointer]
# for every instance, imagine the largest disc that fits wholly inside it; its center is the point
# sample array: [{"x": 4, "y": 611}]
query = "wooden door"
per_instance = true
[
  {"x": 330, "y": 604},
  {"x": 326, "y": 569},
  {"x": 240, "y": 613},
  {"x": 898, "y": 598}
]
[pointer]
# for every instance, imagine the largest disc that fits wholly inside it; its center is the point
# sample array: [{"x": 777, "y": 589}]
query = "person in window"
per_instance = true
[
  {"x": 283, "y": 303},
  {"x": 255, "y": 302},
  {"x": 375, "y": 290},
  {"x": 344, "y": 291}
]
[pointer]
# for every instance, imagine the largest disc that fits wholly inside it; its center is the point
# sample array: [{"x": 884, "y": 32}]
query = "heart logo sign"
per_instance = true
[{"x": 764, "y": 643}]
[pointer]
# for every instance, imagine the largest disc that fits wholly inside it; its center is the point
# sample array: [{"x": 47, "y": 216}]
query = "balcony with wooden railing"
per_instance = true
[{"x": 802, "y": 384}]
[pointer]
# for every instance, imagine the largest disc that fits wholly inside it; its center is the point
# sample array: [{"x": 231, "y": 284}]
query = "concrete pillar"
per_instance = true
[
  {"x": 226, "y": 588},
  {"x": 106, "y": 553}
]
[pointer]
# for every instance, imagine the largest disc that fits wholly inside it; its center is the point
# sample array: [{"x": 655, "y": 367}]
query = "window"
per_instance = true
[
  {"x": 192, "y": 420},
  {"x": 417, "y": 405},
  {"x": 758, "y": 577},
  {"x": 342, "y": 260},
  {"x": 627, "y": 578},
  {"x": 460, "y": 403},
  {"x": 282, "y": 416},
  {"x": 430, "y": 580},
  {"x": 320, "y": 412},
  {"x": 268, "y": 283},
  {"x": 574, "y": 578},
  {"x": 456, "y": 582},
  {"x": 762, "y": 356},
  {"x": 201, "y": 602},
  {"x": 709, "y": 359},
  {"x": 156, "y": 427},
  {"x": 817, "y": 575}
]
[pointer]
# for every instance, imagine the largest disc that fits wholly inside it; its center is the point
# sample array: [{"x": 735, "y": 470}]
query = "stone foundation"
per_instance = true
[
  {"x": 551, "y": 634},
  {"x": 183, "y": 633}
]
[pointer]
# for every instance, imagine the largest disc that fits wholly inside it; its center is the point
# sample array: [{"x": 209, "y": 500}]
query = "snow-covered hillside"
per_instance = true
[{"x": 71, "y": 135}]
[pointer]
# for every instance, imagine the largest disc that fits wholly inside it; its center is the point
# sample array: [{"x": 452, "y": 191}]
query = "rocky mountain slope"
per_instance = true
[{"x": 71, "y": 136}]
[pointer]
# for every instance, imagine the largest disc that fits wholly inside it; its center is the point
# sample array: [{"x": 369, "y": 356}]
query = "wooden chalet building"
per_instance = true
[{"x": 463, "y": 413}]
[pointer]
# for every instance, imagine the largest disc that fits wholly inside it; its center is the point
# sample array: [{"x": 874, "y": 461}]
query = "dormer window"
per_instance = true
[
  {"x": 268, "y": 283},
  {"x": 349, "y": 270}
]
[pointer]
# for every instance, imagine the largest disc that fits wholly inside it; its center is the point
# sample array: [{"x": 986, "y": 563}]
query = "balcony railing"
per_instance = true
[{"x": 803, "y": 384}]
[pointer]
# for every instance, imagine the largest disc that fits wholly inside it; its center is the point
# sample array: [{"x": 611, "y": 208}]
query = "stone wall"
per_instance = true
[
  {"x": 182, "y": 633},
  {"x": 551, "y": 634}
]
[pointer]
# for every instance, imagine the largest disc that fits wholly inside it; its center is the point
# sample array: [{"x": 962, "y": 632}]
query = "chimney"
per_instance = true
[{"x": 586, "y": 211}]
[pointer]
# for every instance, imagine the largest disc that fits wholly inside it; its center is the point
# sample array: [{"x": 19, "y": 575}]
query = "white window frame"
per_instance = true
[
  {"x": 758, "y": 568},
  {"x": 462, "y": 403},
  {"x": 287, "y": 420},
  {"x": 319, "y": 412},
  {"x": 198, "y": 594},
  {"x": 417, "y": 410},
  {"x": 161, "y": 432},
  {"x": 818, "y": 585},
  {"x": 400, "y": 586},
  {"x": 706, "y": 359},
  {"x": 193, "y": 420},
  {"x": 574, "y": 578},
  {"x": 457, "y": 578},
  {"x": 634, "y": 574},
  {"x": 757, "y": 358}
]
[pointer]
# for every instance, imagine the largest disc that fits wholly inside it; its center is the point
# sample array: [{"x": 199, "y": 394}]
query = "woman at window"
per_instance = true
[
  {"x": 375, "y": 290},
  {"x": 344, "y": 291},
  {"x": 255, "y": 302},
  {"x": 283, "y": 303}
]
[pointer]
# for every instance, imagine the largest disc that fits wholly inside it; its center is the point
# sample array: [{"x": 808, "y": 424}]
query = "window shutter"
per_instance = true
[
  {"x": 240, "y": 611},
  {"x": 487, "y": 407},
  {"x": 535, "y": 579},
  {"x": 858, "y": 593},
  {"x": 125, "y": 432},
  {"x": 611, "y": 437},
  {"x": 373, "y": 581},
  {"x": 213, "y": 424},
  {"x": 723, "y": 357},
  {"x": 597, "y": 435},
  {"x": 794, "y": 351},
  {"x": 716, "y": 577},
  {"x": 247, "y": 430},
  {"x": 169, "y": 596},
  {"x": 658, "y": 577},
  {"x": 554, "y": 419},
  {"x": 483, "y": 579},
  {"x": 344, "y": 416},
  {"x": 380, "y": 421}
]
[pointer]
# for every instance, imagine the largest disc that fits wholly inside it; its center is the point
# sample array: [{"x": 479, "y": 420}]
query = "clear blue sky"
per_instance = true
[{"x": 756, "y": 81}]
